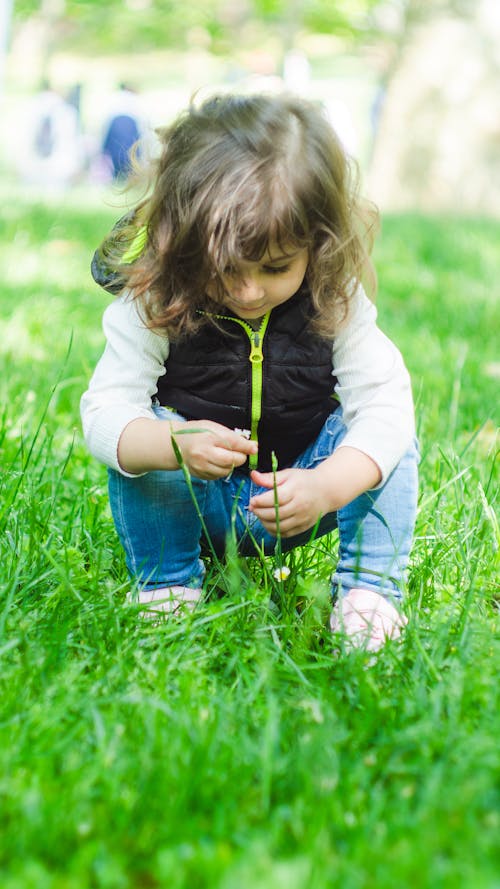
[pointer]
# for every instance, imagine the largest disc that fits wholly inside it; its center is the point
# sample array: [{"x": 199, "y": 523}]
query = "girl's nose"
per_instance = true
[{"x": 248, "y": 291}]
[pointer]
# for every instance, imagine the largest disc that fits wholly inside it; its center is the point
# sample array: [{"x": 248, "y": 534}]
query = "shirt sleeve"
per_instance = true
[
  {"x": 124, "y": 381},
  {"x": 373, "y": 387}
]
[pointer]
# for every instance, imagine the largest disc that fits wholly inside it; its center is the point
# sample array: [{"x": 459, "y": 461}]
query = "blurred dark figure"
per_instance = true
[
  {"x": 74, "y": 98},
  {"x": 50, "y": 151},
  {"x": 123, "y": 131}
]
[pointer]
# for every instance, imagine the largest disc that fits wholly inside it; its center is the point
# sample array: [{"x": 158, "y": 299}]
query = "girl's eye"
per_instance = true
[
  {"x": 276, "y": 270},
  {"x": 232, "y": 272}
]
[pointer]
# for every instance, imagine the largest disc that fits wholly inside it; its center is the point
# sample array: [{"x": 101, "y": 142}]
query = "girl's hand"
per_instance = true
[
  {"x": 302, "y": 500},
  {"x": 305, "y": 495},
  {"x": 210, "y": 450}
]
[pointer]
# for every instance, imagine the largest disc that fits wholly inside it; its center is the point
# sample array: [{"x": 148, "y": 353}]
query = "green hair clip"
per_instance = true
[{"x": 137, "y": 245}]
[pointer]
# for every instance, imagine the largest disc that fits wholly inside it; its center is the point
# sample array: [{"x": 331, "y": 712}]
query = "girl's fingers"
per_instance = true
[
  {"x": 239, "y": 444},
  {"x": 216, "y": 465},
  {"x": 266, "y": 500},
  {"x": 268, "y": 513},
  {"x": 266, "y": 479},
  {"x": 229, "y": 458},
  {"x": 263, "y": 479}
]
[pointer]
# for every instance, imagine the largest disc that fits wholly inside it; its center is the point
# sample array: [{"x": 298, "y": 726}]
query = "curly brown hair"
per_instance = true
[{"x": 235, "y": 174}]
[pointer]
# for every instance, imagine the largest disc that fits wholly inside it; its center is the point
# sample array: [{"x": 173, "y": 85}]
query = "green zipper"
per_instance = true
[{"x": 256, "y": 358}]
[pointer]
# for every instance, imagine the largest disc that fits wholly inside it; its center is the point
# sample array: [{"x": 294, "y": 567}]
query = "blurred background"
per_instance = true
[{"x": 412, "y": 86}]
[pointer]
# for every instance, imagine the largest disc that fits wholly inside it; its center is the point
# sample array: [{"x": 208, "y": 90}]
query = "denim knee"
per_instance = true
[
  {"x": 159, "y": 527},
  {"x": 376, "y": 533}
]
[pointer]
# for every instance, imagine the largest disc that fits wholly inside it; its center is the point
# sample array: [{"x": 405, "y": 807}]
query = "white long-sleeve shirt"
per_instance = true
[{"x": 373, "y": 387}]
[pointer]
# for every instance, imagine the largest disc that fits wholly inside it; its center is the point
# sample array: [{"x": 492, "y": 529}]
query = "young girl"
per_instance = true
[{"x": 241, "y": 320}]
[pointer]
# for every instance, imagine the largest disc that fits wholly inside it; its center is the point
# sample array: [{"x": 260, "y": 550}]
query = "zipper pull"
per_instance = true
[{"x": 256, "y": 356}]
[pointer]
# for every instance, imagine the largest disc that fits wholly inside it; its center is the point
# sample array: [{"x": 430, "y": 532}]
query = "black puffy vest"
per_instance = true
[{"x": 209, "y": 376}]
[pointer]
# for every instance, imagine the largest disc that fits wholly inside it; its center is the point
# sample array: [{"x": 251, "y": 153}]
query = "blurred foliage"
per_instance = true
[{"x": 117, "y": 25}]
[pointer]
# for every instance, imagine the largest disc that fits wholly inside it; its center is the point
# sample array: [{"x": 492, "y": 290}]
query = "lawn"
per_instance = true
[{"x": 237, "y": 748}]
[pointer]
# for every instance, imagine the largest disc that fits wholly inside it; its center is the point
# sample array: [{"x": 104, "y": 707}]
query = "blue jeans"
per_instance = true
[{"x": 161, "y": 533}]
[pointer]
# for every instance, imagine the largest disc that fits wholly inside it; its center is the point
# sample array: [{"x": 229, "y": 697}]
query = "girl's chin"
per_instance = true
[{"x": 248, "y": 313}]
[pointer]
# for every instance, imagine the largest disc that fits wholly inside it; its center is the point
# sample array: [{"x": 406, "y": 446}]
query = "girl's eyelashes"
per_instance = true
[
  {"x": 276, "y": 270},
  {"x": 231, "y": 272}
]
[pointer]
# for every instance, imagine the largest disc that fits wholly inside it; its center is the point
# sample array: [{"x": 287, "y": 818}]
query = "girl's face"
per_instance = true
[{"x": 254, "y": 288}]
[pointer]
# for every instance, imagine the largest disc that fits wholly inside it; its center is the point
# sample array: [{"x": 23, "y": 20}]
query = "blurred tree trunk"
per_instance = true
[{"x": 437, "y": 144}]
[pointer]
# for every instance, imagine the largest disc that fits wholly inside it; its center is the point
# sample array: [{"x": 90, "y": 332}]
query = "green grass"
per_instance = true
[{"x": 236, "y": 749}]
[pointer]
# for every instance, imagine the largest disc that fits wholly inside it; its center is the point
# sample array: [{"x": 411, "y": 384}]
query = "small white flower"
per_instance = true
[
  {"x": 244, "y": 432},
  {"x": 281, "y": 573}
]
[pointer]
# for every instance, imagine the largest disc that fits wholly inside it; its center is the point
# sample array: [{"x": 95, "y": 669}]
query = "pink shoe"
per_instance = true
[
  {"x": 367, "y": 619},
  {"x": 168, "y": 600}
]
